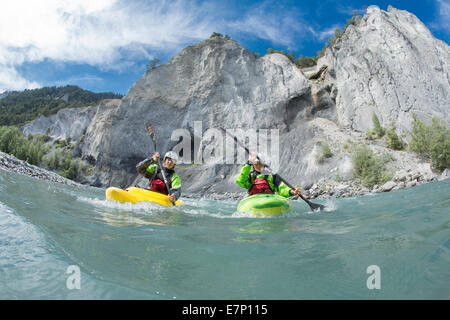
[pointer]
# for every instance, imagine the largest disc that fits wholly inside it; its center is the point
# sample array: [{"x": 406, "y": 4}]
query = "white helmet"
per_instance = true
[
  {"x": 172, "y": 155},
  {"x": 257, "y": 159}
]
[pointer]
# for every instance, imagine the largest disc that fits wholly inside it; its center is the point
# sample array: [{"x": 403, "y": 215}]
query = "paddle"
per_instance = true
[
  {"x": 313, "y": 206},
  {"x": 152, "y": 135}
]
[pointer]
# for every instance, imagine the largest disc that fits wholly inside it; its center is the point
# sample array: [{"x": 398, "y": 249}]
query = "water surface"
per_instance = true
[{"x": 206, "y": 250}]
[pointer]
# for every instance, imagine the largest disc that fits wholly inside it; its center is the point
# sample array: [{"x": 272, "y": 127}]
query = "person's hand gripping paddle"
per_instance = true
[{"x": 151, "y": 131}]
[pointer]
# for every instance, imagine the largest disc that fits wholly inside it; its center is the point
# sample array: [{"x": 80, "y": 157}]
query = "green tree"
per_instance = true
[
  {"x": 72, "y": 169},
  {"x": 304, "y": 62},
  {"x": 338, "y": 33},
  {"x": 30, "y": 149},
  {"x": 420, "y": 136},
  {"x": 153, "y": 63},
  {"x": 216, "y": 35},
  {"x": 378, "y": 129},
  {"x": 393, "y": 141},
  {"x": 324, "y": 153},
  {"x": 291, "y": 56},
  {"x": 321, "y": 52},
  {"x": 432, "y": 141},
  {"x": 369, "y": 168},
  {"x": 54, "y": 162}
]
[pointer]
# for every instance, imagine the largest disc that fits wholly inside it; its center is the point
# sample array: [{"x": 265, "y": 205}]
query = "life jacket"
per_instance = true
[
  {"x": 260, "y": 186},
  {"x": 158, "y": 185}
]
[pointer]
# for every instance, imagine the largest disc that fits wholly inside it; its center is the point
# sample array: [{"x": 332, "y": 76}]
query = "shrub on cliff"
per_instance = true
[
  {"x": 378, "y": 131},
  {"x": 432, "y": 141},
  {"x": 304, "y": 62},
  {"x": 324, "y": 153},
  {"x": 152, "y": 65},
  {"x": 218, "y": 35},
  {"x": 368, "y": 168},
  {"x": 393, "y": 141},
  {"x": 69, "y": 168},
  {"x": 377, "y": 128}
]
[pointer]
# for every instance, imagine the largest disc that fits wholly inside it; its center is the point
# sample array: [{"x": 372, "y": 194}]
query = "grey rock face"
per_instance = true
[
  {"x": 390, "y": 64},
  {"x": 217, "y": 83},
  {"x": 445, "y": 174},
  {"x": 96, "y": 141},
  {"x": 88, "y": 127},
  {"x": 388, "y": 186},
  {"x": 65, "y": 123}
]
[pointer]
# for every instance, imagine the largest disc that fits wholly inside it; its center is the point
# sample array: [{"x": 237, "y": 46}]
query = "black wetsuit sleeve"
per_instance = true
[
  {"x": 176, "y": 192},
  {"x": 142, "y": 168}
]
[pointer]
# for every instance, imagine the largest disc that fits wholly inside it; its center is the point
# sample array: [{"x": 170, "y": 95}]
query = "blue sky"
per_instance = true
[{"x": 104, "y": 45}]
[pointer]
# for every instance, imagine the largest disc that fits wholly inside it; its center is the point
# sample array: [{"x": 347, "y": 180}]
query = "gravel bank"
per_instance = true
[{"x": 11, "y": 163}]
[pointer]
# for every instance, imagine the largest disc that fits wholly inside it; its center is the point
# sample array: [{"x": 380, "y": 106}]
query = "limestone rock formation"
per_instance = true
[
  {"x": 215, "y": 82},
  {"x": 65, "y": 123},
  {"x": 388, "y": 63}
]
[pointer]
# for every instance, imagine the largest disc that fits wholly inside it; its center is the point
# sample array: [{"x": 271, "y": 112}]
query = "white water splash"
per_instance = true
[{"x": 330, "y": 205}]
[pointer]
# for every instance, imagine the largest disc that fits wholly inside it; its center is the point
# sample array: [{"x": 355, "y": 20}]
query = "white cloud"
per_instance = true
[
  {"x": 275, "y": 24},
  {"x": 108, "y": 34},
  {"x": 325, "y": 34},
  {"x": 114, "y": 34},
  {"x": 11, "y": 80},
  {"x": 87, "y": 78},
  {"x": 443, "y": 22},
  {"x": 92, "y": 32},
  {"x": 350, "y": 11},
  {"x": 283, "y": 27}
]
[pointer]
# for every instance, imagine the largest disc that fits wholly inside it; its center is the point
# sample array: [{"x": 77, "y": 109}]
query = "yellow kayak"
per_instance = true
[{"x": 133, "y": 195}]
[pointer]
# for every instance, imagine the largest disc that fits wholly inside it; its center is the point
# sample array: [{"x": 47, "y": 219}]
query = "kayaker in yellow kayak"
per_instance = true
[
  {"x": 149, "y": 169},
  {"x": 252, "y": 179}
]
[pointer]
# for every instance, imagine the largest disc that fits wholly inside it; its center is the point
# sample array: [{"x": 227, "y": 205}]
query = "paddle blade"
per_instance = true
[
  {"x": 151, "y": 130},
  {"x": 315, "y": 206}
]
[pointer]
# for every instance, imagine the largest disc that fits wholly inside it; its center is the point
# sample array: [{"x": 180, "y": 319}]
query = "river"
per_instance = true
[{"x": 66, "y": 242}]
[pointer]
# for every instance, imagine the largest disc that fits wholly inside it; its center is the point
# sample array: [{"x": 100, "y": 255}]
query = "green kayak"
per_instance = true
[{"x": 265, "y": 205}]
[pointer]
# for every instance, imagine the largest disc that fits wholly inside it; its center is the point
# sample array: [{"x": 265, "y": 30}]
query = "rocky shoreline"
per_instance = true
[
  {"x": 402, "y": 179},
  {"x": 11, "y": 163},
  {"x": 323, "y": 189},
  {"x": 326, "y": 189}
]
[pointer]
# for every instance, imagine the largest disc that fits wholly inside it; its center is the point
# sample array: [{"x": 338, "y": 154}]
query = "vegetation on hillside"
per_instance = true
[
  {"x": 432, "y": 141},
  {"x": 20, "y": 107},
  {"x": 391, "y": 139},
  {"x": 219, "y": 36},
  {"x": 42, "y": 151},
  {"x": 368, "y": 168},
  {"x": 324, "y": 153},
  {"x": 31, "y": 149}
]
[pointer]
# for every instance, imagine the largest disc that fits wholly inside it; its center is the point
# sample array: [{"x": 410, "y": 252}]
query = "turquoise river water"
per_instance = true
[{"x": 205, "y": 250}]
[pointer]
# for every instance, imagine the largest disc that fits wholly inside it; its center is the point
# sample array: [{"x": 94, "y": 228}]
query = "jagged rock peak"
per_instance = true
[{"x": 388, "y": 63}]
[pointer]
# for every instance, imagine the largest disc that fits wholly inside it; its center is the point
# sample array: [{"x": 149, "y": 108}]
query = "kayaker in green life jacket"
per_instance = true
[
  {"x": 149, "y": 169},
  {"x": 252, "y": 179}
]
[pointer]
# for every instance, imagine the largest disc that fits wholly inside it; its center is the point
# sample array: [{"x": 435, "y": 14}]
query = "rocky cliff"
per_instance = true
[
  {"x": 66, "y": 123},
  {"x": 391, "y": 64},
  {"x": 388, "y": 63}
]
